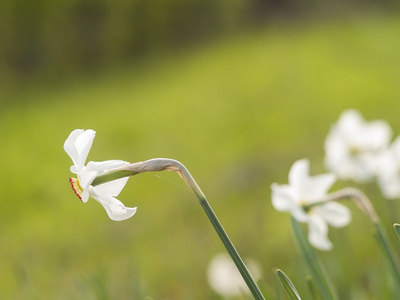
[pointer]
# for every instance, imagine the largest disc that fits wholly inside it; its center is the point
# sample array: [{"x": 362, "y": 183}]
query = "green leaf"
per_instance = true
[
  {"x": 277, "y": 287},
  {"x": 311, "y": 287},
  {"x": 388, "y": 251},
  {"x": 397, "y": 229},
  {"x": 313, "y": 263},
  {"x": 288, "y": 286}
]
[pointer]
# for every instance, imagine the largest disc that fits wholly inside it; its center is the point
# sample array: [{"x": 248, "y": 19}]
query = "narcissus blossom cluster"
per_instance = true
[
  {"x": 356, "y": 150},
  {"x": 362, "y": 151}
]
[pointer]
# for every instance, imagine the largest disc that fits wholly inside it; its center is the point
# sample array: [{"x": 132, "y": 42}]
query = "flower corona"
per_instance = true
[{"x": 76, "y": 187}]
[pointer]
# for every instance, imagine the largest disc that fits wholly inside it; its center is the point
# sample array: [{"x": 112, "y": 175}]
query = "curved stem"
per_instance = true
[
  {"x": 381, "y": 236},
  {"x": 161, "y": 164},
  {"x": 358, "y": 197},
  {"x": 110, "y": 176}
]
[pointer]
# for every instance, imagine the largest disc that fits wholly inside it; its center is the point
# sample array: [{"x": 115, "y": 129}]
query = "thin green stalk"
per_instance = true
[
  {"x": 394, "y": 215},
  {"x": 388, "y": 251},
  {"x": 231, "y": 249},
  {"x": 110, "y": 176},
  {"x": 311, "y": 288},
  {"x": 380, "y": 233},
  {"x": 396, "y": 227},
  {"x": 161, "y": 164}
]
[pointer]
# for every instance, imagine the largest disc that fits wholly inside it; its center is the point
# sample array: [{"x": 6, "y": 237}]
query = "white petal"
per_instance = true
[
  {"x": 69, "y": 145},
  {"x": 318, "y": 233},
  {"x": 350, "y": 122},
  {"x": 336, "y": 147},
  {"x": 376, "y": 135},
  {"x": 115, "y": 209},
  {"x": 395, "y": 147},
  {"x": 333, "y": 213},
  {"x": 317, "y": 186},
  {"x": 83, "y": 144},
  {"x": 283, "y": 197},
  {"x": 299, "y": 173},
  {"x": 74, "y": 169},
  {"x": 309, "y": 188},
  {"x": 112, "y": 188},
  {"x": 390, "y": 185},
  {"x": 101, "y": 167},
  {"x": 299, "y": 214},
  {"x": 85, "y": 196},
  {"x": 78, "y": 145},
  {"x": 86, "y": 179}
]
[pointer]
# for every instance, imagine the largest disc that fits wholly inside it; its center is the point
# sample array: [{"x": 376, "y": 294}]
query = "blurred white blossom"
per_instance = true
[
  {"x": 353, "y": 144},
  {"x": 389, "y": 170},
  {"x": 225, "y": 279},
  {"x": 77, "y": 146},
  {"x": 303, "y": 197}
]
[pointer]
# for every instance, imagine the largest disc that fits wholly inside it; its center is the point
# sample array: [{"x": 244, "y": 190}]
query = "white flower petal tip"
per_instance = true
[
  {"x": 122, "y": 216},
  {"x": 318, "y": 233},
  {"x": 78, "y": 145},
  {"x": 322, "y": 244}
]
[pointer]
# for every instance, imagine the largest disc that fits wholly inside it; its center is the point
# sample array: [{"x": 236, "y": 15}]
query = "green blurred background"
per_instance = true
[{"x": 236, "y": 90}]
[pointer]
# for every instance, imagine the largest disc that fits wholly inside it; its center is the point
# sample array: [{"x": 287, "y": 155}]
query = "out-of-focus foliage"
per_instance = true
[
  {"x": 52, "y": 39},
  {"x": 62, "y": 36}
]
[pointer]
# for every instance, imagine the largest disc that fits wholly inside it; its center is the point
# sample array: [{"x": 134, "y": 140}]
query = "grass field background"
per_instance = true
[{"x": 237, "y": 111}]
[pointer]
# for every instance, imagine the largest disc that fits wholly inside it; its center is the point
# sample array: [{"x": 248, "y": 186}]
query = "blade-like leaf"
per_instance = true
[
  {"x": 397, "y": 229},
  {"x": 388, "y": 251},
  {"x": 313, "y": 263},
  {"x": 288, "y": 286},
  {"x": 311, "y": 288}
]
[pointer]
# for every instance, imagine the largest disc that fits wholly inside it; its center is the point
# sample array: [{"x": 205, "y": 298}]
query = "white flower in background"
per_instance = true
[
  {"x": 389, "y": 170},
  {"x": 77, "y": 146},
  {"x": 225, "y": 279},
  {"x": 303, "y": 197},
  {"x": 352, "y": 146}
]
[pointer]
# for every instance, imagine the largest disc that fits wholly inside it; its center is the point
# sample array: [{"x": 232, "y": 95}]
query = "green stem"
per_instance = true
[
  {"x": 231, "y": 249},
  {"x": 110, "y": 176},
  {"x": 388, "y": 250},
  {"x": 380, "y": 233},
  {"x": 161, "y": 164}
]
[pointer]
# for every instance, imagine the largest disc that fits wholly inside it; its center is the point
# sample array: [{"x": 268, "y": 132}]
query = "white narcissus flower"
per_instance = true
[
  {"x": 352, "y": 146},
  {"x": 77, "y": 146},
  {"x": 303, "y": 197},
  {"x": 225, "y": 279},
  {"x": 389, "y": 170}
]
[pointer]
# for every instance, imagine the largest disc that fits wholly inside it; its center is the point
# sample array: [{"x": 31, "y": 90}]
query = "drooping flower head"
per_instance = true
[
  {"x": 77, "y": 146},
  {"x": 352, "y": 146},
  {"x": 304, "y": 198}
]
